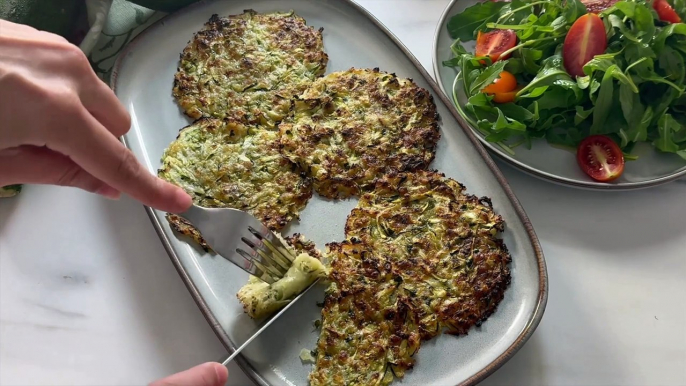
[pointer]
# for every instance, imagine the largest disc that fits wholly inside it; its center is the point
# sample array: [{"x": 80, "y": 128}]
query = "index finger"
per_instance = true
[{"x": 99, "y": 153}]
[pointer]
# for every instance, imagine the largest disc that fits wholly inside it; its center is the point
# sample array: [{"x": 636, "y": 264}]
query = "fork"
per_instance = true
[
  {"x": 228, "y": 232},
  {"x": 225, "y": 231}
]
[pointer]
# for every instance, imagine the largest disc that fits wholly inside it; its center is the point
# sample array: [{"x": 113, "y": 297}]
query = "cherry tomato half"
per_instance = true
[
  {"x": 666, "y": 12},
  {"x": 504, "y": 83},
  {"x": 506, "y": 97},
  {"x": 584, "y": 40},
  {"x": 494, "y": 43},
  {"x": 600, "y": 158},
  {"x": 597, "y": 6}
]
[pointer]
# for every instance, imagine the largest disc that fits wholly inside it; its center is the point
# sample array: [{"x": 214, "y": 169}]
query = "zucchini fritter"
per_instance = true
[
  {"x": 369, "y": 331},
  {"x": 226, "y": 164},
  {"x": 248, "y": 66},
  {"x": 419, "y": 247},
  {"x": 444, "y": 244},
  {"x": 351, "y": 127}
]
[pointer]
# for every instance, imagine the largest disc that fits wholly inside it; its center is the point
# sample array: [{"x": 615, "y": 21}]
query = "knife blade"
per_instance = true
[{"x": 245, "y": 344}]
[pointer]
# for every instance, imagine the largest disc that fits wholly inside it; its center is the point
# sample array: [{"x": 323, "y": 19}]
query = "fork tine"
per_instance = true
[
  {"x": 287, "y": 258},
  {"x": 277, "y": 261},
  {"x": 279, "y": 250},
  {"x": 270, "y": 272},
  {"x": 283, "y": 249},
  {"x": 247, "y": 265},
  {"x": 271, "y": 262}
]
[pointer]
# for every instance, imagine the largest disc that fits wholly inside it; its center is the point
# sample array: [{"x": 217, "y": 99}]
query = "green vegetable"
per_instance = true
[
  {"x": 634, "y": 92},
  {"x": 463, "y": 26},
  {"x": 9, "y": 191}
]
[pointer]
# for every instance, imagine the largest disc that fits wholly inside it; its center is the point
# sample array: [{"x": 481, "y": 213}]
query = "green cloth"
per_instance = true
[{"x": 124, "y": 21}]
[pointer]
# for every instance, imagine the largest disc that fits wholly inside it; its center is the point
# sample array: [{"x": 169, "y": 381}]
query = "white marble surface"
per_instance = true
[{"x": 88, "y": 295}]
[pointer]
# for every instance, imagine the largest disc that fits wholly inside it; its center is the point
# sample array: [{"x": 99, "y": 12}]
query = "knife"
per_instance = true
[{"x": 226, "y": 361}]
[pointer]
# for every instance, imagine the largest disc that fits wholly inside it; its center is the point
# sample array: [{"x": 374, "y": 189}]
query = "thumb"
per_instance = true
[
  {"x": 40, "y": 165},
  {"x": 206, "y": 374}
]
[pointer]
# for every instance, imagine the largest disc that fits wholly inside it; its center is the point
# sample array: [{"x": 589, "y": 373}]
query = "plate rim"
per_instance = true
[
  {"x": 598, "y": 186},
  {"x": 243, "y": 363}
]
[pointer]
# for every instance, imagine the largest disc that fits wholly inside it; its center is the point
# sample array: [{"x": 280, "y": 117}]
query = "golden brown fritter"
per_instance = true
[
  {"x": 226, "y": 164},
  {"x": 351, "y": 127},
  {"x": 421, "y": 257},
  {"x": 248, "y": 66},
  {"x": 443, "y": 242},
  {"x": 369, "y": 332}
]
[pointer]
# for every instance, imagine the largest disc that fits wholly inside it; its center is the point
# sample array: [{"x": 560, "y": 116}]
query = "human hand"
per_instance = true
[
  {"x": 59, "y": 123},
  {"x": 207, "y": 374}
]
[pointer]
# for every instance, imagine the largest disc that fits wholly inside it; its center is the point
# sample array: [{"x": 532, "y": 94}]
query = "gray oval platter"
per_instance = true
[
  {"x": 547, "y": 162},
  {"x": 142, "y": 79}
]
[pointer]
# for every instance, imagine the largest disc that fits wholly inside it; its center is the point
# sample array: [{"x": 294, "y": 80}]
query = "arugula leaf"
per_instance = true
[
  {"x": 636, "y": 115},
  {"x": 606, "y": 65},
  {"x": 486, "y": 77},
  {"x": 604, "y": 101},
  {"x": 514, "y": 66},
  {"x": 516, "y": 112},
  {"x": 529, "y": 58},
  {"x": 454, "y": 62},
  {"x": 464, "y": 25},
  {"x": 573, "y": 10},
  {"x": 583, "y": 81},
  {"x": 666, "y": 126},
  {"x": 666, "y": 32},
  {"x": 504, "y": 122},
  {"x": 479, "y": 99},
  {"x": 626, "y": 7},
  {"x": 672, "y": 62},
  {"x": 618, "y": 23},
  {"x": 680, "y": 8},
  {"x": 535, "y": 93},
  {"x": 644, "y": 23},
  {"x": 558, "y": 97},
  {"x": 552, "y": 71},
  {"x": 582, "y": 114}
]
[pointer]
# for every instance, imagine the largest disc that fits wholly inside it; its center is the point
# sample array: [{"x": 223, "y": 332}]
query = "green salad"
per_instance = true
[{"x": 565, "y": 70}]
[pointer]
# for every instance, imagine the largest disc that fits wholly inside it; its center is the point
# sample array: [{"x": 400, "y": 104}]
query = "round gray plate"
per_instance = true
[{"x": 547, "y": 162}]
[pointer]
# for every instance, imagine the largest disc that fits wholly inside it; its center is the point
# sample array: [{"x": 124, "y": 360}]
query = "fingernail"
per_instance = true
[
  {"x": 109, "y": 192},
  {"x": 222, "y": 374}
]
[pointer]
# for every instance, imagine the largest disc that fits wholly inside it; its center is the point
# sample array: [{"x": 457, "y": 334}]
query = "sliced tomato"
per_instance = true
[
  {"x": 494, "y": 43},
  {"x": 597, "y": 6},
  {"x": 584, "y": 40},
  {"x": 504, "y": 83},
  {"x": 666, "y": 12},
  {"x": 506, "y": 97},
  {"x": 600, "y": 158}
]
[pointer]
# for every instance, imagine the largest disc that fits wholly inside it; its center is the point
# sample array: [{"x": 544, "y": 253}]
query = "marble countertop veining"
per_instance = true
[{"x": 88, "y": 295}]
